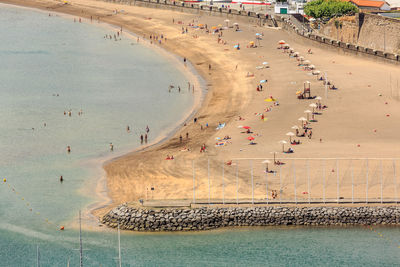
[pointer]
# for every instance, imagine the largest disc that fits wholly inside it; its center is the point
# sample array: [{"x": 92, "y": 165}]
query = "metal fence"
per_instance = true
[{"x": 296, "y": 180}]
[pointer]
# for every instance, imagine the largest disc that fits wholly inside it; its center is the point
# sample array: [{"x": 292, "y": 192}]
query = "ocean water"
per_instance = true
[{"x": 49, "y": 65}]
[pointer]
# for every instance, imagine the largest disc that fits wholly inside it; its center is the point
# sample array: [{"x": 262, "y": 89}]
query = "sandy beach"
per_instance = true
[{"x": 361, "y": 119}]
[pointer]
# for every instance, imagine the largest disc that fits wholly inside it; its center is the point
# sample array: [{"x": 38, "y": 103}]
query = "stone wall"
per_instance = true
[{"x": 197, "y": 219}]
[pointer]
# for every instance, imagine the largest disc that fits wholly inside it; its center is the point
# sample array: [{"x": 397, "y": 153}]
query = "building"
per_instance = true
[{"x": 370, "y": 5}]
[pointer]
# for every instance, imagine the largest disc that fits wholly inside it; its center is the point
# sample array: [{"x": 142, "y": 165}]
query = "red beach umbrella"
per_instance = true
[
  {"x": 251, "y": 138},
  {"x": 246, "y": 127}
]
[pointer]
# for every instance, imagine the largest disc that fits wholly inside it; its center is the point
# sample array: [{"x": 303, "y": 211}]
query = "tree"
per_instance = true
[{"x": 329, "y": 8}]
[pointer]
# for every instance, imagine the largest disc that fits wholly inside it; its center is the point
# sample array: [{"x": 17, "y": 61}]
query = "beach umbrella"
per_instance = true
[
  {"x": 301, "y": 58},
  {"x": 311, "y": 67},
  {"x": 302, "y": 119},
  {"x": 240, "y": 126},
  {"x": 258, "y": 34},
  {"x": 250, "y": 138},
  {"x": 316, "y": 72},
  {"x": 307, "y": 62},
  {"x": 281, "y": 42},
  {"x": 265, "y": 63},
  {"x": 213, "y": 27},
  {"x": 295, "y": 127},
  {"x": 296, "y": 54},
  {"x": 308, "y": 113},
  {"x": 266, "y": 162},
  {"x": 313, "y": 106},
  {"x": 236, "y": 24},
  {"x": 283, "y": 142},
  {"x": 246, "y": 127},
  {"x": 236, "y": 46},
  {"x": 319, "y": 99},
  {"x": 263, "y": 81},
  {"x": 290, "y": 134}
]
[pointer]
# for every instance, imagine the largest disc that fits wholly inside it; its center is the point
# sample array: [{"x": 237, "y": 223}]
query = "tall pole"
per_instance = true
[
  {"x": 119, "y": 247},
  {"x": 266, "y": 184},
  {"x": 223, "y": 185},
  {"x": 381, "y": 182},
  {"x": 194, "y": 184},
  {"x": 352, "y": 181},
  {"x": 280, "y": 185},
  {"x": 308, "y": 182},
  {"x": 324, "y": 177},
  {"x": 395, "y": 180},
  {"x": 366, "y": 184},
  {"x": 80, "y": 241},
  {"x": 209, "y": 184},
  {"x": 37, "y": 256},
  {"x": 252, "y": 184},
  {"x": 294, "y": 178},
  {"x": 337, "y": 178},
  {"x": 237, "y": 183},
  {"x": 326, "y": 86}
]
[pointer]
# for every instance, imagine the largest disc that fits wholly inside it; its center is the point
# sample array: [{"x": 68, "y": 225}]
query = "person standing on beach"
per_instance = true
[
  {"x": 180, "y": 138},
  {"x": 141, "y": 138},
  {"x": 187, "y": 135},
  {"x": 145, "y": 138},
  {"x": 111, "y": 147},
  {"x": 68, "y": 149},
  {"x": 147, "y": 129},
  {"x": 61, "y": 179}
]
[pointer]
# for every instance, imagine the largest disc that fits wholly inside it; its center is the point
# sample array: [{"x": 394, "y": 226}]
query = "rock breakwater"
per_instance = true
[{"x": 197, "y": 219}]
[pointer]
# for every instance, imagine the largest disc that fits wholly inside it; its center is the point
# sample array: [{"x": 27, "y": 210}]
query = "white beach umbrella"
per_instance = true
[
  {"x": 290, "y": 134},
  {"x": 236, "y": 24},
  {"x": 265, "y": 63},
  {"x": 313, "y": 106},
  {"x": 301, "y": 58},
  {"x": 266, "y": 161},
  {"x": 316, "y": 72},
  {"x": 302, "y": 119},
  {"x": 295, "y": 127},
  {"x": 318, "y": 98},
  {"x": 227, "y": 20},
  {"x": 312, "y": 67},
  {"x": 296, "y": 53},
  {"x": 308, "y": 113},
  {"x": 283, "y": 142},
  {"x": 307, "y": 62}
]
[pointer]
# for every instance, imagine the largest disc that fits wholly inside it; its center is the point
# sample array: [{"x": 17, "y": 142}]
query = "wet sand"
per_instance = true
[{"x": 361, "y": 120}]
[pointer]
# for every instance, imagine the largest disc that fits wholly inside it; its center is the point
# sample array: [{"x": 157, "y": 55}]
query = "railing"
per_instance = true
[{"x": 280, "y": 181}]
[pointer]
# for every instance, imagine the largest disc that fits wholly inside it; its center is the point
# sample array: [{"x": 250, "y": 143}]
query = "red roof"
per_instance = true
[{"x": 367, "y": 3}]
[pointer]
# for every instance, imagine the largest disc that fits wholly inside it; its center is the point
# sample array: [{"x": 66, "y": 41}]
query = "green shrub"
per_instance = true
[{"x": 329, "y": 8}]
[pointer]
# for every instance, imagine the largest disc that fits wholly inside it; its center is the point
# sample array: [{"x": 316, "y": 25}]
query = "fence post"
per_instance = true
[
  {"x": 266, "y": 184},
  {"x": 308, "y": 182},
  {"x": 294, "y": 177},
  {"x": 395, "y": 180},
  {"x": 352, "y": 181},
  {"x": 209, "y": 183},
  {"x": 381, "y": 182},
  {"x": 337, "y": 178},
  {"x": 237, "y": 183},
  {"x": 324, "y": 177},
  {"x": 223, "y": 185},
  {"x": 280, "y": 186},
  {"x": 366, "y": 183},
  {"x": 252, "y": 184},
  {"x": 194, "y": 184}
]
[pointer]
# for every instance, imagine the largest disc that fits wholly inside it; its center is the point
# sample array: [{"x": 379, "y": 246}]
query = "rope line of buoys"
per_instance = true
[
  {"x": 388, "y": 239},
  {"x": 37, "y": 213}
]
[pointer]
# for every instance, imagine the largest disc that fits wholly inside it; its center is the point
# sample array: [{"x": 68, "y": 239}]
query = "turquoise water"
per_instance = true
[{"x": 116, "y": 83}]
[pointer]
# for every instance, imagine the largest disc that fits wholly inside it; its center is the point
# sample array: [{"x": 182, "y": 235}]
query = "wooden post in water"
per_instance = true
[
  {"x": 337, "y": 178},
  {"x": 366, "y": 183},
  {"x": 237, "y": 183},
  {"x": 209, "y": 184},
  {"x": 252, "y": 184},
  {"x": 223, "y": 185},
  {"x": 194, "y": 184}
]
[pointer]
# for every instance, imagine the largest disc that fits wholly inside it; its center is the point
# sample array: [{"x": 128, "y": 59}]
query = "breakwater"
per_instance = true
[{"x": 197, "y": 219}]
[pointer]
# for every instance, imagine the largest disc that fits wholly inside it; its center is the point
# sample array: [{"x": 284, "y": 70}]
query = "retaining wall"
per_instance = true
[{"x": 197, "y": 219}]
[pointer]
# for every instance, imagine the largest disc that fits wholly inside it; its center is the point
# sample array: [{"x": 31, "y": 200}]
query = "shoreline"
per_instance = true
[{"x": 131, "y": 175}]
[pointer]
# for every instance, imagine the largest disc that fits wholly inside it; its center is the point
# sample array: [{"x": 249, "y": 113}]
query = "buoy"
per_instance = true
[
  {"x": 62, "y": 228},
  {"x": 4, "y": 180}
]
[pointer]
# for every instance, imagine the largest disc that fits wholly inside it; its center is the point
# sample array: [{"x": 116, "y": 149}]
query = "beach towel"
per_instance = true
[{"x": 220, "y": 126}]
